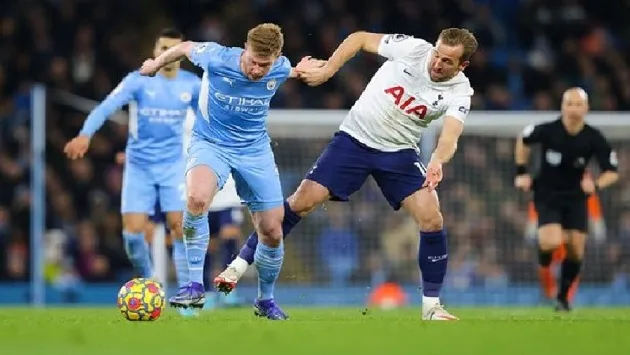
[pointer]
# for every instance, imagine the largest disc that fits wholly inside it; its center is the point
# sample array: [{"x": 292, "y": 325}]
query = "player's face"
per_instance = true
[
  {"x": 255, "y": 66},
  {"x": 161, "y": 45},
  {"x": 445, "y": 62},
  {"x": 574, "y": 106}
]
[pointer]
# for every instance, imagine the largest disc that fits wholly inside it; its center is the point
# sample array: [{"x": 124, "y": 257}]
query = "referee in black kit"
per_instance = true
[{"x": 562, "y": 185}]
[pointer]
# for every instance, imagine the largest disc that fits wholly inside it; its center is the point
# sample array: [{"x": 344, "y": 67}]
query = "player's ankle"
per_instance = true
[
  {"x": 429, "y": 302},
  {"x": 239, "y": 265}
]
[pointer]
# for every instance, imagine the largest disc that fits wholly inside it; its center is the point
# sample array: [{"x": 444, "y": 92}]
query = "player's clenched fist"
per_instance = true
[
  {"x": 434, "y": 175},
  {"x": 150, "y": 67},
  {"x": 308, "y": 63},
  {"x": 77, "y": 147},
  {"x": 523, "y": 182},
  {"x": 317, "y": 76}
]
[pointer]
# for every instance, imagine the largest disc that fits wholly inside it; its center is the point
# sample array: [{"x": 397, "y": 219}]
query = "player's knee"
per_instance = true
[
  {"x": 432, "y": 221},
  {"x": 197, "y": 202},
  {"x": 133, "y": 224},
  {"x": 550, "y": 237},
  {"x": 270, "y": 231}
]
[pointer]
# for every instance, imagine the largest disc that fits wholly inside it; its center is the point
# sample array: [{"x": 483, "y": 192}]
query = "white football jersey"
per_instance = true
[
  {"x": 400, "y": 100},
  {"x": 227, "y": 196}
]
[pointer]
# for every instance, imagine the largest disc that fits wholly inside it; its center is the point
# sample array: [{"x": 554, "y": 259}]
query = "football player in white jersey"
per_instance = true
[{"x": 418, "y": 83}]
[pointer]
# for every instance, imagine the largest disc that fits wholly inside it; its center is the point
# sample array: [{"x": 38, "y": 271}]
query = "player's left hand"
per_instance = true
[
  {"x": 317, "y": 76},
  {"x": 434, "y": 175},
  {"x": 588, "y": 184},
  {"x": 150, "y": 67}
]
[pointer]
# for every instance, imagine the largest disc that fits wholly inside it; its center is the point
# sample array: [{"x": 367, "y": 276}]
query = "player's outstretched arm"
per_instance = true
[
  {"x": 183, "y": 50},
  {"x": 307, "y": 63},
  {"x": 120, "y": 96},
  {"x": 357, "y": 41},
  {"x": 354, "y": 43}
]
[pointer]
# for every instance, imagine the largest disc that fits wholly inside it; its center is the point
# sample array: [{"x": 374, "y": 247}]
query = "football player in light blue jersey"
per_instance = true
[
  {"x": 231, "y": 137},
  {"x": 154, "y": 161}
]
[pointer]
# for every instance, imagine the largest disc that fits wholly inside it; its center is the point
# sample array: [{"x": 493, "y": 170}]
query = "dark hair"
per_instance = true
[{"x": 171, "y": 33}]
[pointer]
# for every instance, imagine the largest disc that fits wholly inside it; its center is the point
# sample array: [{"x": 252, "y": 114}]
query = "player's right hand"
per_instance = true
[
  {"x": 150, "y": 67},
  {"x": 77, "y": 147},
  {"x": 433, "y": 176},
  {"x": 523, "y": 182}
]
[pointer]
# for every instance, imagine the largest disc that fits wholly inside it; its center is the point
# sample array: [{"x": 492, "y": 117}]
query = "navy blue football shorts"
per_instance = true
[{"x": 346, "y": 163}]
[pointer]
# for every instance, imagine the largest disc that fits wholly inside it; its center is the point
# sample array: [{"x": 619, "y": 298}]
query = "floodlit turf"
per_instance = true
[{"x": 100, "y": 331}]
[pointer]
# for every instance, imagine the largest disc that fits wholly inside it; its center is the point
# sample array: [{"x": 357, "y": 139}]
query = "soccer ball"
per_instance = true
[{"x": 141, "y": 300}]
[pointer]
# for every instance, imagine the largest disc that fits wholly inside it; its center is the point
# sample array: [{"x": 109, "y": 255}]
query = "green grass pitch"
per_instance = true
[{"x": 488, "y": 331}]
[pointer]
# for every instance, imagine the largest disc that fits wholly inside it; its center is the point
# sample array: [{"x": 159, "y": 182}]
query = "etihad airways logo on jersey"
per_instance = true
[
  {"x": 163, "y": 116},
  {"x": 241, "y": 101},
  {"x": 242, "y": 104},
  {"x": 160, "y": 112}
]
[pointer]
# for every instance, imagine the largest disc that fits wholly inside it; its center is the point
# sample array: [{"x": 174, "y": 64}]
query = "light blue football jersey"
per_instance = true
[
  {"x": 233, "y": 108},
  {"x": 157, "y": 111}
]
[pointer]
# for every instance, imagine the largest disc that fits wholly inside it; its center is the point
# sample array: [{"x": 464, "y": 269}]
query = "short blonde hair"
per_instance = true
[
  {"x": 266, "y": 39},
  {"x": 460, "y": 36}
]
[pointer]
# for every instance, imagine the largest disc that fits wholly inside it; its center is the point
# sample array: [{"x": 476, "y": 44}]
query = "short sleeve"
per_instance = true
[
  {"x": 395, "y": 46},
  {"x": 605, "y": 155},
  {"x": 533, "y": 134},
  {"x": 204, "y": 52},
  {"x": 283, "y": 67},
  {"x": 459, "y": 107}
]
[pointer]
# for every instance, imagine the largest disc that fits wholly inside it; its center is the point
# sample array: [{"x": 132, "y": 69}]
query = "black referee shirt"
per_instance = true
[{"x": 564, "y": 157}]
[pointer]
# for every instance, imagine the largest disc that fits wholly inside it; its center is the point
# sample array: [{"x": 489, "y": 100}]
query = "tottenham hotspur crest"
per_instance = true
[
  {"x": 439, "y": 98},
  {"x": 271, "y": 84}
]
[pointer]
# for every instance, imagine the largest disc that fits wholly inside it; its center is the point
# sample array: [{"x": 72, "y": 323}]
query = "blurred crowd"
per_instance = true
[{"x": 530, "y": 51}]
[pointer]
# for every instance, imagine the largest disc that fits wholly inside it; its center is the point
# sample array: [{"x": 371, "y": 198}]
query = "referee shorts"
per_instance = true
[{"x": 570, "y": 212}]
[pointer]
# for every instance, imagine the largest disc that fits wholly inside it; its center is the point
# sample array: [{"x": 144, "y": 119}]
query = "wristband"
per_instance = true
[{"x": 521, "y": 170}]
